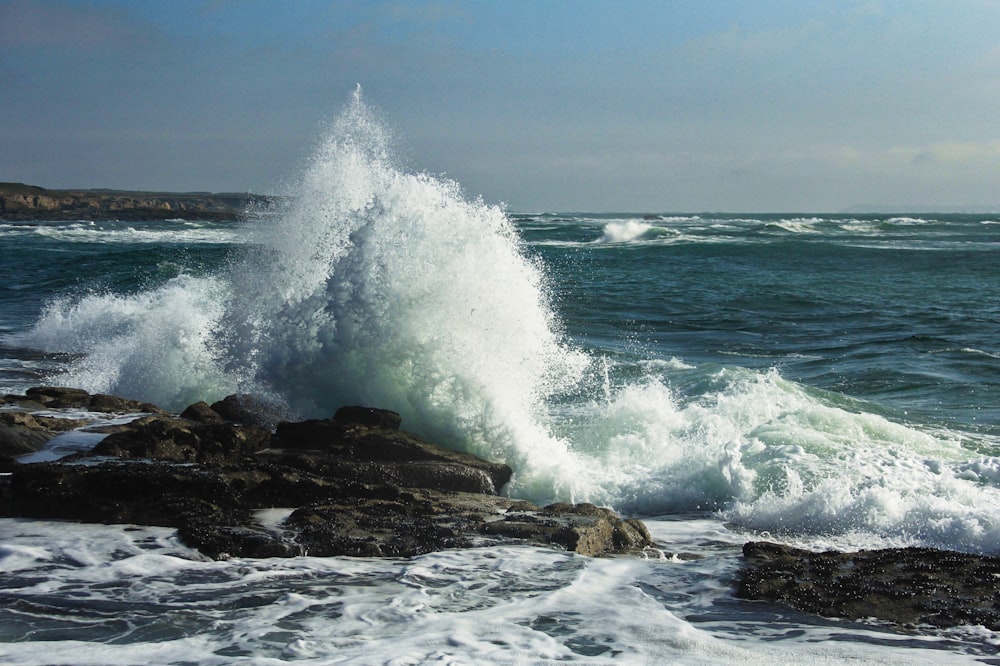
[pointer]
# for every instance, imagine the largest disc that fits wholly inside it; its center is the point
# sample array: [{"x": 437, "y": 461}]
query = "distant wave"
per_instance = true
[{"x": 624, "y": 232}]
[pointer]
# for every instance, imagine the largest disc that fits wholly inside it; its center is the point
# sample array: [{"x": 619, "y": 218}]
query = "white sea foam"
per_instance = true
[
  {"x": 624, "y": 232},
  {"x": 115, "y": 232},
  {"x": 798, "y": 225},
  {"x": 95, "y": 594},
  {"x": 157, "y": 345}
]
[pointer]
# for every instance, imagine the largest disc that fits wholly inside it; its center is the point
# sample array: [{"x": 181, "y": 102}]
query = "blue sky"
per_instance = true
[{"x": 764, "y": 105}]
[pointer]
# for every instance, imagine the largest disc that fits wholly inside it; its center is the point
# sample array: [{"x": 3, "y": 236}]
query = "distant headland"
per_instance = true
[{"x": 29, "y": 202}]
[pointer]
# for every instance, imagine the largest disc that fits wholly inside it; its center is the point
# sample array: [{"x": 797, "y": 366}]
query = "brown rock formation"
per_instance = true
[{"x": 28, "y": 202}]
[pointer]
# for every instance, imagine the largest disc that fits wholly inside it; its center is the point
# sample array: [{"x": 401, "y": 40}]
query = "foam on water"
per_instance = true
[
  {"x": 95, "y": 594},
  {"x": 624, "y": 232},
  {"x": 372, "y": 284},
  {"x": 111, "y": 232}
]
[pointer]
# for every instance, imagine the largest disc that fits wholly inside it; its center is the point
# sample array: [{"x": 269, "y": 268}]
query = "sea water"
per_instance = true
[{"x": 828, "y": 381}]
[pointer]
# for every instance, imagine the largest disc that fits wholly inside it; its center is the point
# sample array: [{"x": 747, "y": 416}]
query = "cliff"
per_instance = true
[{"x": 28, "y": 202}]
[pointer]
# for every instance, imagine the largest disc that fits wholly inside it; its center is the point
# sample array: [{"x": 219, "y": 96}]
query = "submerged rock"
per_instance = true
[
  {"x": 352, "y": 485},
  {"x": 904, "y": 586}
]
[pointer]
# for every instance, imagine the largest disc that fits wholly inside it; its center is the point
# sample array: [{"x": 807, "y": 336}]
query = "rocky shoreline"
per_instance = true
[
  {"x": 356, "y": 484},
  {"x": 20, "y": 202}
]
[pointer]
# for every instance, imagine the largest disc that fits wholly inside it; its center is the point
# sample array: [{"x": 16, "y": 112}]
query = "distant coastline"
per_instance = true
[{"x": 21, "y": 202}]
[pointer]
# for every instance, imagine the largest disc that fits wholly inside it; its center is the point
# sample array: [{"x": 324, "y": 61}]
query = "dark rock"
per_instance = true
[
  {"x": 353, "y": 485},
  {"x": 23, "y": 402},
  {"x": 22, "y": 433},
  {"x": 166, "y": 438},
  {"x": 200, "y": 412},
  {"x": 905, "y": 586},
  {"x": 369, "y": 416},
  {"x": 140, "y": 493},
  {"x": 582, "y": 528},
  {"x": 247, "y": 409},
  {"x": 100, "y": 402},
  {"x": 59, "y": 396},
  {"x": 438, "y": 475},
  {"x": 349, "y": 441}
]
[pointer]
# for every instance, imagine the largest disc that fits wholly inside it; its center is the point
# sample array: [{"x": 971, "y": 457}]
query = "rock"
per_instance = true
[
  {"x": 18, "y": 437},
  {"x": 23, "y": 402},
  {"x": 100, "y": 402},
  {"x": 581, "y": 528},
  {"x": 349, "y": 441},
  {"x": 166, "y": 438},
  {"x": 59, "y": 397},
  {"x": 369, "y": 416},
  {"x": 22, "y": 433},
  {"x": 200, "y": 412},
  {"x": 352, "y": 485},
  {"x": 140, "y": 493},
  {"x": 247, "y": 409},
  {"x": 437, "y": 475},
  {"x": 904, "y": 586}
]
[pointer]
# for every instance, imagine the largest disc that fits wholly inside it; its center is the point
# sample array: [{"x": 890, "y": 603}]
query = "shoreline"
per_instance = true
[{"x": 27, "y": 203}]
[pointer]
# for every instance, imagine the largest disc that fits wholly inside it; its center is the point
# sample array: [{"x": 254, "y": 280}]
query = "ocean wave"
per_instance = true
[
  {"x": 624, "y": 232},
  {"x": 183, "y": 233}
]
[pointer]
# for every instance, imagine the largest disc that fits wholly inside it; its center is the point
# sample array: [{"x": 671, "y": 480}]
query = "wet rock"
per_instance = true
[
  {"x": 181, "y": 440},
  {"x": 904, "y": 586},
  {"x": 139, "y": 493},
  {"x": 346, "y": 440},
  {"x": 23, "y": 402},
  {"x": 22, "y": 433},
  {"x": 200, "y": 412},
  {"x": 352, "y": 485},
  {"x": 369, "y": 416},
  {"x": 100, "y": 402},
  {"x": 247, "y": 409},
  {"x": 59, "y": 397},
  {"x": 438, "y": 475},
  {"x": 581, "y": 528}
]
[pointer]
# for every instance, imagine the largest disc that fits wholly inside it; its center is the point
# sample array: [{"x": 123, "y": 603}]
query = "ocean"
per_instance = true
[{"x": 826, "y": 381}]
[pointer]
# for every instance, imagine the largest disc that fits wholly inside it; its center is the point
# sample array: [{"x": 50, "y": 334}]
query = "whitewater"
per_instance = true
[{"x": 823, "y": 381}]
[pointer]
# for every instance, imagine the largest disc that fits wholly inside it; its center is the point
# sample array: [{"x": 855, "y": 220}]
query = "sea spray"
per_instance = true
[
  {"x": 158, "y": 345},
  {"x": 372, "y": 284},
  {"x": 364, "y": 283}
]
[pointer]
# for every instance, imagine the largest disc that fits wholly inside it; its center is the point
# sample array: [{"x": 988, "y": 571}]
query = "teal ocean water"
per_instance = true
[{"x": 829, "y": 381}]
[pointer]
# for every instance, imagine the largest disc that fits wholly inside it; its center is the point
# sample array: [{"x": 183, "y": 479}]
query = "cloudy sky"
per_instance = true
[{"x": 624, "y": 105}]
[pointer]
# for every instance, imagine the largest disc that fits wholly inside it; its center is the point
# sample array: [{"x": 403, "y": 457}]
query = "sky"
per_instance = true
[{"x": 542, "y": 105}]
